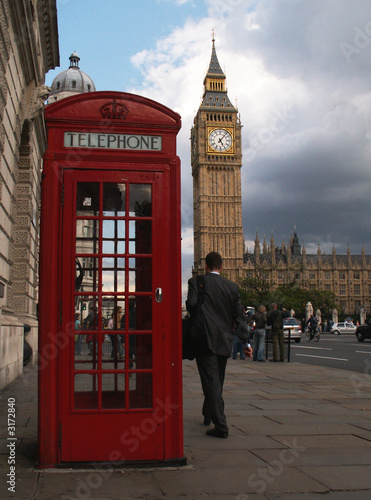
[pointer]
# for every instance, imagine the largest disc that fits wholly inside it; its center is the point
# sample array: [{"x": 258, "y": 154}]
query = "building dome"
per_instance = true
[{"x": 71, "y": 81}]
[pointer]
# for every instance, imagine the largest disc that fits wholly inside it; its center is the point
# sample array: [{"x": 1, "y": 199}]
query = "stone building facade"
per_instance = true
[
  {"x": 216, "y": 153},
  {"x": 347, "y": 276},
  {"x": 28, "y": 50}
]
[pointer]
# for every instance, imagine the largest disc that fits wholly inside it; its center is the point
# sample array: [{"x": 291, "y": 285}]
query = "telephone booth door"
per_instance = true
[{"x": 111, "y": 373}]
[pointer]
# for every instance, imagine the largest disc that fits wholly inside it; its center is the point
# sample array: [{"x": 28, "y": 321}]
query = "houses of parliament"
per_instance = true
[{"x": 216, "y": 159}]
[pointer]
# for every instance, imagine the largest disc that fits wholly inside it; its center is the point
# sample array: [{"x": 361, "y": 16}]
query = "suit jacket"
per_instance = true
[{"x": 222, "y": 312}]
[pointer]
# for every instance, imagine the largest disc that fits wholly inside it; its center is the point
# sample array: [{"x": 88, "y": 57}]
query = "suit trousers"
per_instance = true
[
  {"x": 278, "y": 344},
  {"x": 211, "y": 368}
]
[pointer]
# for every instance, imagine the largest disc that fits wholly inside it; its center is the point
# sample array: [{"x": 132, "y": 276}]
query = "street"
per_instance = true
[{"x": 334, "y": 351}]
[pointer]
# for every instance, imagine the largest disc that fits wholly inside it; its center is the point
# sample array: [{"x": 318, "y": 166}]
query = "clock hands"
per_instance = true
[{"x": 221, "y": 138}]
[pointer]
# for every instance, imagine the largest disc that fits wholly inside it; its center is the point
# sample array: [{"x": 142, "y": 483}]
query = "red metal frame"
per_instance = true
[{"x": 83, "y": 113}]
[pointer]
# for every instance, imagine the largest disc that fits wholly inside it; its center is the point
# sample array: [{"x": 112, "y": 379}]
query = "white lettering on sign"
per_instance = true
[{"x": 132, "y": 142}]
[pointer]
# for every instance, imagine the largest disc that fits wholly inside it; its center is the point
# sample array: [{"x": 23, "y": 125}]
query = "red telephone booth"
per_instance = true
[{"x": 110, "y": 283}]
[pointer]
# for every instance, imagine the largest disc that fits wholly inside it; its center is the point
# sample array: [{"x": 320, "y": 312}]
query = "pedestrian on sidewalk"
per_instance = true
[
  {"x": 275, "y": 319},
  {"x": 238, "y": 344},
  {"x": 221, "y": 311},
  {"x": 260, "y": 318}
]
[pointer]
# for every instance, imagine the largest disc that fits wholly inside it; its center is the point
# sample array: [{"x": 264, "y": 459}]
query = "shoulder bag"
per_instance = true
[{"x": 192, "y": 338}]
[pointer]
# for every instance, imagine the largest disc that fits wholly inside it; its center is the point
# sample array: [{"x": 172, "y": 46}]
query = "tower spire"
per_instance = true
[
  {"x": 215, "y": 89},
  {"x": 214, "y": 66}
]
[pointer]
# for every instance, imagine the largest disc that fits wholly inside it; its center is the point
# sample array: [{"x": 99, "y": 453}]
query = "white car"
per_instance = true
[
  {"x": 293, "y": 326},
  {"x": 343, "y": 327}
]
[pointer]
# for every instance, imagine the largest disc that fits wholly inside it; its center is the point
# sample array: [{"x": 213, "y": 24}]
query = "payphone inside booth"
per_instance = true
[{"x": 110, "y": 387}]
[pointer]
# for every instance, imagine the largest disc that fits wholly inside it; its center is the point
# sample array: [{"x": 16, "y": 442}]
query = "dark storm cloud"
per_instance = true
[
  {"x": 307, "y": 38},
  {"x": 313, "y": 172}
]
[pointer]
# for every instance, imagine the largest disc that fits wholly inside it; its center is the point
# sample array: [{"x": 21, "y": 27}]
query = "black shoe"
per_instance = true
[
  {"x": 216, "y": 433},
  {"x": 274, "y": 360},
  {"x": 261, "y": 360},
  {"x": 207, "y": 421}
]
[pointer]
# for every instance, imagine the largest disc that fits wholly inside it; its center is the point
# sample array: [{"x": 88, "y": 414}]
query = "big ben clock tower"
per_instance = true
[{"x": 216, "y": 170}]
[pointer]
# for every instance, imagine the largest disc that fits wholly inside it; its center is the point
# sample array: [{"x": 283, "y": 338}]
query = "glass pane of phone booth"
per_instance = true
[{"x": 112, "y": 366}]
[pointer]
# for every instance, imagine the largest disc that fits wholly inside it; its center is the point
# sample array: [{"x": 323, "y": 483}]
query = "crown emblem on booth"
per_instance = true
[{"x": 114, "y": 110}]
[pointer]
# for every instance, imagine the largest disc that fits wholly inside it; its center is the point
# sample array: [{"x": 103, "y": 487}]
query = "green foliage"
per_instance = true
[{"x": 258, "y": 290}]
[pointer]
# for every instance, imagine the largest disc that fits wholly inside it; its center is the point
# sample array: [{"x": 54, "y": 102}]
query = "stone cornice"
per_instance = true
[
  {"x": 24, "y": 22},
  {"x": 21, "y": 16},
  {"x": 49, "y": 35}
]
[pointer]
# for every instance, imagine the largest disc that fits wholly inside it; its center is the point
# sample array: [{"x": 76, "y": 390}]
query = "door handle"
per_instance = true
[{"x": 158, "y": 295}]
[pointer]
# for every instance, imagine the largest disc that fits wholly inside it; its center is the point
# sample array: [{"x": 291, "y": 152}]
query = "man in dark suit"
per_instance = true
[{"x": 221, "y": 312}]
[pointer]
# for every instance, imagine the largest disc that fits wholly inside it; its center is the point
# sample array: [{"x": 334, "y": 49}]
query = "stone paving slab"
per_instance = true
[
  {"x": 312, "y": 407},
  {"x": 361, "y": 405},
  {"x": 229, "y": 459},
  {"x": 98, "y": 484},
  {"x": 342, "y": 477},
  {"x": 347, "y": 495},
  {"x": 327, "y": 441},
  {"x": 266, "y": 426},
  {"x": 362, "y": 424},
  {"x": 220, "y": 481},
  {"x": 26, "y": 486},
  {"x": 234, "y": 442},
  {"x": 320, "y": 456},
  {"x": 304, "y": 418}
]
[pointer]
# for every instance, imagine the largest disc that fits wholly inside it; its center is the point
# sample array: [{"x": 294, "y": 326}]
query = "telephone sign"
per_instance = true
[{"x": 130, "y": 142}]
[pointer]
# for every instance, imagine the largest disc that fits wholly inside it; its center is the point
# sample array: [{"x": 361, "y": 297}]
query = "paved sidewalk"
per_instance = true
[{"x": 296, "y": 432}]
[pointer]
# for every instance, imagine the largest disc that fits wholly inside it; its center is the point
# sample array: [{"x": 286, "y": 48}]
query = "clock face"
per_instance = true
[{"x": 220, "y": 140}]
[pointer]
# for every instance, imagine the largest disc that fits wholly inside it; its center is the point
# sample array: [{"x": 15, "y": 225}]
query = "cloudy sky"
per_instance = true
[{"x": 300, "y": 73}]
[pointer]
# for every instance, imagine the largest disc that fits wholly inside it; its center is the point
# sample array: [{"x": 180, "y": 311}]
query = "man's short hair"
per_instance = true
[{"x": 214, "y": 261}]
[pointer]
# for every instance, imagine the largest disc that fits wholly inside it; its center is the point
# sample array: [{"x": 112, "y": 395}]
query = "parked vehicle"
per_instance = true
[
  {"x": 343, "y": 327},
  {"x": 363, "y": 332},
  {"x": 293, "y": 326}
]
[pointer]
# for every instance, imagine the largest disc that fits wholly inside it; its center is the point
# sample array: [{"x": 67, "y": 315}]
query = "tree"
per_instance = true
[
  {"x": 257, "y": 289},
  {"x": 296, "y": 298}
]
